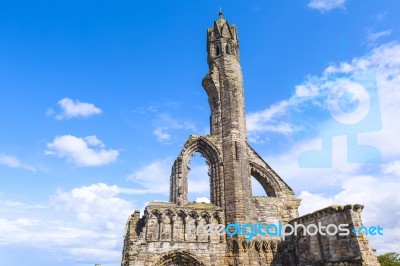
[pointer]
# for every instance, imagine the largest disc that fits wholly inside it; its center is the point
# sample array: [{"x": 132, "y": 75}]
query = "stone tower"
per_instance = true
[
  {"x": 232, "y": 161},
  {"x": 163, "y": 235}
]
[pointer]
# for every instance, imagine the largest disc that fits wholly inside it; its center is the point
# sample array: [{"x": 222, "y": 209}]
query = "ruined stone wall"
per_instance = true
[
  {"x": 331, "y": 249},
  {"x": 274, "y": 210},
  {"x": 161, "y": 237}
]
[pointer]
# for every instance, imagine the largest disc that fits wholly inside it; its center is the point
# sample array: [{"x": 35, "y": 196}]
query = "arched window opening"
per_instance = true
[
  {"x": 153, "y": 227},
  {"x": 198, "y": 179},
  {"x": 166, "y": 227},
  {"x": 217, "y": 51},
  {"x": 261, "y": 179},
  {"x": 179, "y": 227},
  {"x": 256, "y": 188},
  {"x": 227, "y": 49}
]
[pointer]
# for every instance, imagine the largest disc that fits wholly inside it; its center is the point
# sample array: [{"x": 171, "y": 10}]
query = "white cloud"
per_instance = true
[
  {"x": 203, "y": 199},
  {"x": 380, "y": 198},
  {"x": 383, "y": 66},
  {"x": 61, "y": 239},
  {"x": 384, "y": 61},
  {"x": 161, "y": 135},
  {"x": 94, "y": 141},
  {"x": 88, "y": 151},
  {"x": 312, "y": 202},
  {"x": 95, "y": 205},
  {"x": 373, "y": 185},
  {"x": 318, "y": 179},
  {"x": 10, "y": 161},
  {"x": 392, "y": 168},
  {"x": 14, "y": 162},
  {"x": 74, "y": 108},
  {"x": 305, "y": 90},
  {"x": 152, "y": 178},
  {"x": 272, "y": 119},
  {"x": 92, "y": 234},
  {"x": 326, "y": 5}
]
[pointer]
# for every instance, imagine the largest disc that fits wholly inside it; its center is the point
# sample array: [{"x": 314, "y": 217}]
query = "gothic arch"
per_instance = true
[
  {"x": 181, "y": 215},
  {"x": 166, "y": 226},
  {"x": 206, "y": 216},
  {"x": 153, "y": 225},
  {"x": 179, "y": 229},
  {"x": 192, "y": 219},
  {"x": 178, "y": 257},
  {"x": 257, "y": 246},
  {"x": 155, "y": 213},
  {"x": 217, "y": 50},
  {"x": 218, "y": 216},
  {"x": 267, "y": 181},
  {"x": 179, "y": 182},
  {"x": 193, "y": 215},
  {"x": 227, "y": 49}
]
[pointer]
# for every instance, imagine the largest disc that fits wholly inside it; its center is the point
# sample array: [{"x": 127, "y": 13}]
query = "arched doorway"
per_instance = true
[{"x": 179, "y": 258}]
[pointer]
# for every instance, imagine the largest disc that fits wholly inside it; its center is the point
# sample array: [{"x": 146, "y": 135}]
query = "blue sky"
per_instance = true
[{"x": 97, "y": 98}]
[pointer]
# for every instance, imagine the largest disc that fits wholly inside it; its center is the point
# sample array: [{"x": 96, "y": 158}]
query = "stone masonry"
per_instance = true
[{"x": 160, "y": 237}]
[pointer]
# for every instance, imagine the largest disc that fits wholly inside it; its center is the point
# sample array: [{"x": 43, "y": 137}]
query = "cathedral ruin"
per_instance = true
[{"x": 161, "y": 236}]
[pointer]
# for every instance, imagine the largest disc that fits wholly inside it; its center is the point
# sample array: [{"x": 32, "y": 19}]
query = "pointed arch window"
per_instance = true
[
  {"x": 227, "y": 49},
  {"x": 217, "y": 50}
]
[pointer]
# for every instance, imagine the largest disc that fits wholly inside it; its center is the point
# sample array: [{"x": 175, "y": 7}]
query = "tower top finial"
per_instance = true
[{"x": 220, "y": 12}]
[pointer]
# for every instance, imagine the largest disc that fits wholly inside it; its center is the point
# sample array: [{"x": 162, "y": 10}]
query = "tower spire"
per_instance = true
[{"x": 220, "y": 14}]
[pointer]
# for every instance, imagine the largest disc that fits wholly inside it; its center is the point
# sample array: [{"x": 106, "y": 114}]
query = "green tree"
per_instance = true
[{"x": 389, "y": 259}]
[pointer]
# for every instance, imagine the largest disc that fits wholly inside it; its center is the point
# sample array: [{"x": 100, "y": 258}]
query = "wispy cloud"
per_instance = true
[
  {"x": 165, "y": 123},
  {"x": 374, "y": 37},
  {"x": 326, "y": 5},
  {"x": 273, "y": 119},
  {"x": 162, "y": 135},
  {"x": 392, "y": 168},
  {"x": 20, "y": 205},
  {"x": 88, "y": 151},
  {"x": 384, "y": 61},
  {"x": 14, "y": 162},
  {"x": 380, "y": 17},
  {"x": 167, "y": 120},
  {"x": 74, "y": 108}
]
